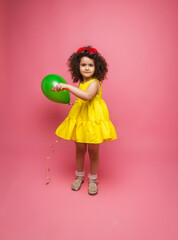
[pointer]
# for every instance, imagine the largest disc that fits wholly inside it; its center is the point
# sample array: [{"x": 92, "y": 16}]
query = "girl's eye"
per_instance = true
[{"x": 83, "y": 65}]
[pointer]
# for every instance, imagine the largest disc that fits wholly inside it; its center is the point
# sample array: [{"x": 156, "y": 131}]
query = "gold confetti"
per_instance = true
[{"x": 47, "y": 158}]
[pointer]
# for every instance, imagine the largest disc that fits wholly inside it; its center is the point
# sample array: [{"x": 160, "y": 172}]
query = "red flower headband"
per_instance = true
[{"x": 90, "y": 50}]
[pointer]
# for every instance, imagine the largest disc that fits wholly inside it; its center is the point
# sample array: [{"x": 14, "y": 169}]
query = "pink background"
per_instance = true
[{"x": 138, "y": 172}]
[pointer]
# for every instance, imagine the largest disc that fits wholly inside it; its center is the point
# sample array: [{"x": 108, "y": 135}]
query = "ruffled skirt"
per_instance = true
[{"x": 87, "y": 122}]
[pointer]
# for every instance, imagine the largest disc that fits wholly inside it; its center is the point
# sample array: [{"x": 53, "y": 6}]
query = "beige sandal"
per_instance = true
[
  {"x": 76, "y": 185},
  {"x": 92, "y": 188}
]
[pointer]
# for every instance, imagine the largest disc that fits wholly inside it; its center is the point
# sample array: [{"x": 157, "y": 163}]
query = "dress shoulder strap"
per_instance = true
[{"x": 100, "y": 91}]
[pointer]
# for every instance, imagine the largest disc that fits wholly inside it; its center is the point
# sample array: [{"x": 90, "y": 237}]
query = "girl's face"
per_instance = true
[{"x": 87, "y": 68}]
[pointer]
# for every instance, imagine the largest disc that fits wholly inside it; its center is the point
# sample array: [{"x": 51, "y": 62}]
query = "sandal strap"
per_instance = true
[
  {"x": 78, "y": 177},
  {"x": 93, "y": 180}
]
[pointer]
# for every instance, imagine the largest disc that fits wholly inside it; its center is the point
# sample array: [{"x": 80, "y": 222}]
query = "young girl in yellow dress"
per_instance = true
[{"x": 88, "y": 122}]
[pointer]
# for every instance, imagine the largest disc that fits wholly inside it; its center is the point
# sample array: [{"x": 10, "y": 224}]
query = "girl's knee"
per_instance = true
[
  {"x": 81, "y": 147},
  {"x": 93, "y": 150}
]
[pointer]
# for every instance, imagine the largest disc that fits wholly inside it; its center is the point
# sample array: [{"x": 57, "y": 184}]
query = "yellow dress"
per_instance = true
[{"x": 88, "y": 121}]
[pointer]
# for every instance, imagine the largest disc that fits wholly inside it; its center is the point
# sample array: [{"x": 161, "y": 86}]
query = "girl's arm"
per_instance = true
[{"x": 91, "y": 91}]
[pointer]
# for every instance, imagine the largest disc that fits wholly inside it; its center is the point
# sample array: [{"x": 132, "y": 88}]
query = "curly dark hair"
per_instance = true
[{"x": 100, "y": 65}]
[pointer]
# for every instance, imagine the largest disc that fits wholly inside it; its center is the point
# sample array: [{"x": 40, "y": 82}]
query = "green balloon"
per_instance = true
[{"x": 51, "y": 81}]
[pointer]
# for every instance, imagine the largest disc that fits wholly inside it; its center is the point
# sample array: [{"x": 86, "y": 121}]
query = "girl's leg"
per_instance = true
[
  {"x": 80, "y": 156},
  {"x": 93, "y": 150}
]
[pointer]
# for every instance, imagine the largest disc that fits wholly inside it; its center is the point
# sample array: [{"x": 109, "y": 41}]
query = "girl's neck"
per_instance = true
[{"x": 87, "y": 79}]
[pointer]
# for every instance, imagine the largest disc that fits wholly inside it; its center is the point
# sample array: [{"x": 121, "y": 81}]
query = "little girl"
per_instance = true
[{"x": 88, "y": 122}]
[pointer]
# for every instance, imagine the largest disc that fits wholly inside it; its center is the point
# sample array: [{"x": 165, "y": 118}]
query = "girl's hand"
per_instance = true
[{"x": 60, "y": 86}]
